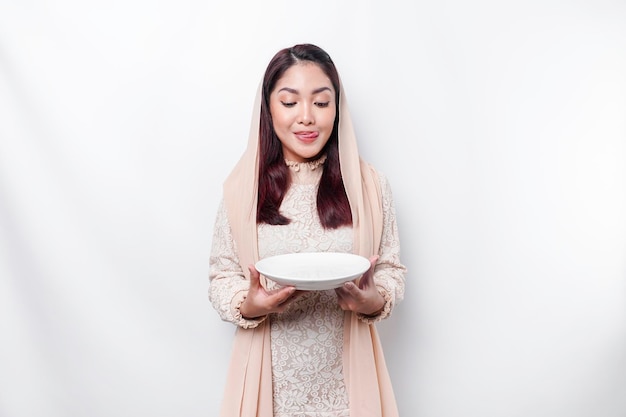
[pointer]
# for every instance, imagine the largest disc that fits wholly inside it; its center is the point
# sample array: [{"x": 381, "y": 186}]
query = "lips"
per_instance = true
[{"x": 306, "y": 136}]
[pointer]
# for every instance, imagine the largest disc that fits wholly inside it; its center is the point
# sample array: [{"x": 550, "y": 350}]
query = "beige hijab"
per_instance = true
[{"x": 249, "y": 383}]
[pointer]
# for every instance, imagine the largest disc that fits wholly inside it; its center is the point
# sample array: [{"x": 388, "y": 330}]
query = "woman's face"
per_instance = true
[{"x": 303, "y": 111}]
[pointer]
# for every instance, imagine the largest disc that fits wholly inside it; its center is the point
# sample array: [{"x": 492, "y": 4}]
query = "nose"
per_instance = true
[{"x": 306, "y": 116}]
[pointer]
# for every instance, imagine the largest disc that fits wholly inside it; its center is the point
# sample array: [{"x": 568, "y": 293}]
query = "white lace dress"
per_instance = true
[{"x": 307, "y": 338}]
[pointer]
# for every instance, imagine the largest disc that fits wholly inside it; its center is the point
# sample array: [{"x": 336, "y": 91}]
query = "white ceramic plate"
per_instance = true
[{"x": 313, "y": 271}]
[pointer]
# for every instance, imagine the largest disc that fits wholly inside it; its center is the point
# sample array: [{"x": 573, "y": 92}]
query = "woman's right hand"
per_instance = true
[{"x": 261, "y": 302}]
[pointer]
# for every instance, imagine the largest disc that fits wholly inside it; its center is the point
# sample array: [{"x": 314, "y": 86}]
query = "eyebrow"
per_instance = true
[{"x": 294, "y": 91}]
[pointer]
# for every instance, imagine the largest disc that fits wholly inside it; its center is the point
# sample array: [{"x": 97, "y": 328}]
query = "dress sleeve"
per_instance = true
[
  {"x": 389, "y": 274},
  {"x": 228, "y": 285}
]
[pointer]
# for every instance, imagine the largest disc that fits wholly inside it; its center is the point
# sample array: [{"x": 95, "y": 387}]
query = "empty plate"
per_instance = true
[{"x": 313, "y": 271}]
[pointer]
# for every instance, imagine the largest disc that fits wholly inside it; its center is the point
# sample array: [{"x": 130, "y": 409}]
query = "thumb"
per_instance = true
[
  {"x": 255, "y": 280},
  {"x": 368, "y": 276}
]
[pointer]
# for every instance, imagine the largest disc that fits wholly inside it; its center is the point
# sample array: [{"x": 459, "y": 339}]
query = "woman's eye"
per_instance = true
[
  {"x": 288, "y": 104},
  {"x": 322, "y": 104}
]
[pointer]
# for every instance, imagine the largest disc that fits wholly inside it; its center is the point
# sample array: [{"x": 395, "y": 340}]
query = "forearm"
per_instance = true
[
  {"x": 228, "y": 285},
  {"x": 389, "y": 274}
]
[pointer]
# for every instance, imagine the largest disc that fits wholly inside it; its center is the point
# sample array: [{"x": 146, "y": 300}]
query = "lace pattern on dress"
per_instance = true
[{"x": 307, "y": 338}]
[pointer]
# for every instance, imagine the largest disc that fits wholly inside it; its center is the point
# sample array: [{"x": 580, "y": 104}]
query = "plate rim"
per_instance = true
[{"x": 275, "y": 277}]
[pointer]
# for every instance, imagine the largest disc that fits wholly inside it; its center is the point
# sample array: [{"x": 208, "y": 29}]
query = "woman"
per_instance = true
[{"x": 301, "y": 186}]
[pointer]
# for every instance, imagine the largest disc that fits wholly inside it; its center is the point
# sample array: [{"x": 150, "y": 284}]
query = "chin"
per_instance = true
[{"x": 311, "y": 156}]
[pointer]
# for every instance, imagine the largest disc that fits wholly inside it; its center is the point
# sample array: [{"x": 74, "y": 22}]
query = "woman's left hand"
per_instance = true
[{"x": 363, "y": 298}]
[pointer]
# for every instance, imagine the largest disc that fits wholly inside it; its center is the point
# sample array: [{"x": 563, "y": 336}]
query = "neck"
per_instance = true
[{"x": 310, "y": 165}]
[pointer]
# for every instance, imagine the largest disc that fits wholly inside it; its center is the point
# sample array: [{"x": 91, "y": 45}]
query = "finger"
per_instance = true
[
  {"x": 352, "y": 291},
  {"x": 283, "y": 295},
  {"x": 296, "y": 294},
  {"x": 373, "y": 261},
  {"x": 341, "y": 292},
  {"x": 368, "y": 276},
  {"x": 255, "y": 277},
  {"x": 341, "y": 299}
]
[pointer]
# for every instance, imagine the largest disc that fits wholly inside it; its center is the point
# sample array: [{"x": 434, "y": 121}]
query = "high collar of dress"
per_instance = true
[{"x": 308, "y": 172}]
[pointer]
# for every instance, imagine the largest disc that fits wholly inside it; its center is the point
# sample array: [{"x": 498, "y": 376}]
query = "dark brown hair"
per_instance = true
[{"x": 333, "y": 207}]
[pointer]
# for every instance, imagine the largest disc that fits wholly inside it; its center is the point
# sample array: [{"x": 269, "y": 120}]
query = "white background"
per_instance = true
[{"x": 500, "y": 125}]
